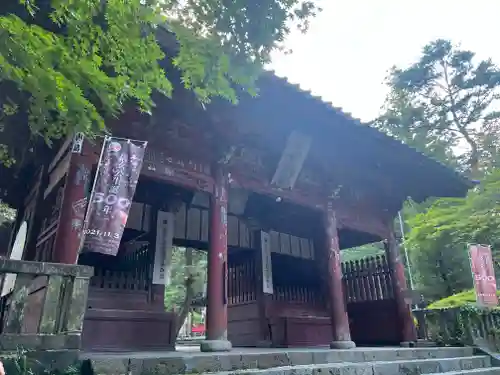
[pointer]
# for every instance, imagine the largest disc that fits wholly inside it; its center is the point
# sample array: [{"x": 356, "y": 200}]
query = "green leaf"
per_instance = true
[{"x": 74, "y": 64}]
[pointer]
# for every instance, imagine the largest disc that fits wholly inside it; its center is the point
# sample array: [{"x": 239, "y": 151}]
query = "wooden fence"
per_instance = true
[
  {"x": 460, "y": 326},
  {"x": 51, "y": 298},
  {"x": 367, "y": 279},
  {"x": 364, "y": 280}
]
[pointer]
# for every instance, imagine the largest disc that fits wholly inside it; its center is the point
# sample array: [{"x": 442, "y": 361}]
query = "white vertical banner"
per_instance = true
[
  {"x": 163, "y": 250},
  {"x": 267, "y": 268}
]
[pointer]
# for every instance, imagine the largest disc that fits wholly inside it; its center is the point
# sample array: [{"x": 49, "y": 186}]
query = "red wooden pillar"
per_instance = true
[
  {"x": 340, "y": 321},
  {"x": 396, "y": 269},
  {"x": 73, "y": 205},
  {"x": 216, "y": 334}
]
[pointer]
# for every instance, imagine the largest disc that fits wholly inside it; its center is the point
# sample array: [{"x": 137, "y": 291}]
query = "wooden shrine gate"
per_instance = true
[{"x": 371, "y": 307}]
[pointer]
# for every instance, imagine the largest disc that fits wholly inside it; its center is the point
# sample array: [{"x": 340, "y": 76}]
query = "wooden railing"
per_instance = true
[
  {"x": 129, "y": 271},
  {"x": 460, "y": 326},
  {"x": 367, "y": 279},
  {"x": 241, "y": 282},
  {"x": 54, "y": 296},
  {"x": 298, "y": 294}
]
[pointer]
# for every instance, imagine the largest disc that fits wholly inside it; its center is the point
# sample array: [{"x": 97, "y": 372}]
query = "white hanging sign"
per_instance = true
[
  {"x": 267, "y": 269},
  {"x": 163, "y": 250},
  {"x": 292, "y": 159}
]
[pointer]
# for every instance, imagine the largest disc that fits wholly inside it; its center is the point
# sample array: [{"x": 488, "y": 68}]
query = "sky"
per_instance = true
[{"x": 351, "y": 45}]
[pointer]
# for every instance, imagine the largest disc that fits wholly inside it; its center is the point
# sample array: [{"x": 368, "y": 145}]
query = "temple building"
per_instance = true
[{"x": 272, "y": 188}]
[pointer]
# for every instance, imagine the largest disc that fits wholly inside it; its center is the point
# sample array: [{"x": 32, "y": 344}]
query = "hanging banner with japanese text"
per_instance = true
[
  {"x": 483, "y": 274},
  {"x": 163, "y": 252},
  {"x": 111, "y": 198},
  {"x": 267, "y": 269}
]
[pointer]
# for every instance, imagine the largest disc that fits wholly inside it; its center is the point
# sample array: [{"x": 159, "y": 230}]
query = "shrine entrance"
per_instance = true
[
  {"x": 277, "y": 291},
  {"x": 126, "y": 297}
]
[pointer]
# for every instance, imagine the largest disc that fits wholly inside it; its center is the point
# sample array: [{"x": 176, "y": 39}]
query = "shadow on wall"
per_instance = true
[
  {"x": 7, "y": 219},
  {"x": 5, "y": 229}
]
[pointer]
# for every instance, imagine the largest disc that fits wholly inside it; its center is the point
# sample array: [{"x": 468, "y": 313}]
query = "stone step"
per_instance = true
[
  {"x": 476, "y": 371},
  {"x": 414, "y": 367},
  {"x": 243, "y": 359},
  {"x": 394, "y": 354}
]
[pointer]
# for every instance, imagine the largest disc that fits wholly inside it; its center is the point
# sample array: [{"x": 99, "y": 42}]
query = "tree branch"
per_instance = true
[{"x": 474, "y": 158}]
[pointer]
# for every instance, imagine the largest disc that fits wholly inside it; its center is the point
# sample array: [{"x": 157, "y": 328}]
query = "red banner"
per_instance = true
[
  {"x": 115, "y": 183},
  {"x": 483, "y": 273}
]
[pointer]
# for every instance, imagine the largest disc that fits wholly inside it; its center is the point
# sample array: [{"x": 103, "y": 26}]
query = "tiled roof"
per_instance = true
[
  {"x": 454, "y": 181},
  {"x": 369, "y": 131}
]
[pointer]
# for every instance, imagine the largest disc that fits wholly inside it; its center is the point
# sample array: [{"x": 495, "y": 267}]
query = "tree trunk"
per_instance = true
[
  {"x": 189, "y": 281},
  {"x": 444, "y": 276},
  {"x": 473, "y": 161}
]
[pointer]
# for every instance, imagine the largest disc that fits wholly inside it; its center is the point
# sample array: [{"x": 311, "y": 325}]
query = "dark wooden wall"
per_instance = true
[{"x": 125, "y": 310}]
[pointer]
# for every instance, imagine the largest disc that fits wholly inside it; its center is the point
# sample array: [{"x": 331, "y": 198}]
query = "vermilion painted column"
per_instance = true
[
  {"x": 396, "y": 269},
  {"x": 73, "y": 205},
  {"x": 340, "y": 321},
  {"x": 216, "y": 323}
]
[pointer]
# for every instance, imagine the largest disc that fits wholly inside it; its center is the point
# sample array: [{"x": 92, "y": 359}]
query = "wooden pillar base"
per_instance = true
[{"x": 342, "y": 345}]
